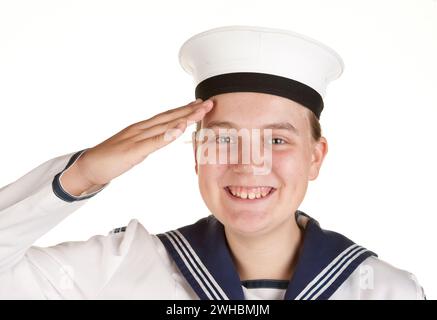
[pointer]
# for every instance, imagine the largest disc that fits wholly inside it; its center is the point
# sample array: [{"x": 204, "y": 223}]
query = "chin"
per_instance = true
[{"x": 247, "y": 222}]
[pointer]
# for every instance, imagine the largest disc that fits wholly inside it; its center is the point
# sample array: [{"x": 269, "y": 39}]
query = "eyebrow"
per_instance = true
[{"x": 280, "y": 126}]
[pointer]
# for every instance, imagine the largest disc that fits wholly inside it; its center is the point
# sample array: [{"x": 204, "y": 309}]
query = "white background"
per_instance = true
[{"x": 73, "y": 73}]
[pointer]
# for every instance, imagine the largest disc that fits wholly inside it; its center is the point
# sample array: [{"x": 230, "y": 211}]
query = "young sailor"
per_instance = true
[{"x": 255, "y": 243}]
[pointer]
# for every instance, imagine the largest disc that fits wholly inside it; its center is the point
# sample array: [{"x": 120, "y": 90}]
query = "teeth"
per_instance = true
[{"x": 249, "y": 192}]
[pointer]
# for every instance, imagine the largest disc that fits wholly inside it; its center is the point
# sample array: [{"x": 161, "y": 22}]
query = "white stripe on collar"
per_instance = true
[
  {"x": 343, "y": 259},
  {"x": 200, "y": 264},
  {"x": 168, "y": 235},
  {"x": 359, "y": 253}
]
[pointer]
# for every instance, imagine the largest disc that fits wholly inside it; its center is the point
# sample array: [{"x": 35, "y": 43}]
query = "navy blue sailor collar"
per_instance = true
[{"x": 202, "y": 255}]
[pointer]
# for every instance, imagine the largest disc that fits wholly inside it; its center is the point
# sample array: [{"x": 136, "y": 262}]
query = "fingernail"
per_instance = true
[{"x": 178, "y": 130}]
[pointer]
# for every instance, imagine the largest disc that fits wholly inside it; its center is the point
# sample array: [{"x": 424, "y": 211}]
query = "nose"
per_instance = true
[{"x": 254, "y": 157}]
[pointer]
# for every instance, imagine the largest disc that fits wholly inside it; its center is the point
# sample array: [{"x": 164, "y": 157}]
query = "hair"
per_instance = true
[{"x": 316, "y": 130}]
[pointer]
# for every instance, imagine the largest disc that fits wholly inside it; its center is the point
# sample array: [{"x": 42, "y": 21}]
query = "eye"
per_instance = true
[
  {"x": 277, "y": 141},
  {"x": 225, "y": 139}
]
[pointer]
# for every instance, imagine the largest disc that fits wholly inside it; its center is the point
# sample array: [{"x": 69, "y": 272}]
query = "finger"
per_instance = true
[
  {"x": 132, "y": 130},
  {"x": 158, "y": 129},
  {"x": 151, "y": 144},
  {"x": 170, "y": 115},
  {"x": 161, "y": 128}
]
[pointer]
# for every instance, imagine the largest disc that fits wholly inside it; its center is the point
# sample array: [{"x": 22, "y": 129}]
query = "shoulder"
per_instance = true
[
  {"x": 135, "y": 237},
  {"x": 378, "y": 279},
  {"x": 117, "y": 242}
]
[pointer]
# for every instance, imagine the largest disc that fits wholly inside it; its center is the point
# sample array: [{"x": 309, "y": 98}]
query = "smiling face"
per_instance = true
[{"x": 242, "y": 200}]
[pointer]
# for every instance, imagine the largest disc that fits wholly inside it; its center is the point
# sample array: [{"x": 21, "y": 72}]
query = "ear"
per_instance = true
[
  {"x": 194, "y": 142},
  {"x": 319, "y": 151}
]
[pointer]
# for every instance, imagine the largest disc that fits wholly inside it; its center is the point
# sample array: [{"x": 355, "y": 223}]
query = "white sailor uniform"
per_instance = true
[{"x": 192, "y": 262}]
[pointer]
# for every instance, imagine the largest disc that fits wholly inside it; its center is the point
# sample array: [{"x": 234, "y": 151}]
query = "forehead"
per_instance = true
[{"x": 255, "y": 110}]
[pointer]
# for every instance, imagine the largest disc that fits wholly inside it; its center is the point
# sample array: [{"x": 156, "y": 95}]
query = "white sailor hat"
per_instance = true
[{"x": 258, "y": 59}]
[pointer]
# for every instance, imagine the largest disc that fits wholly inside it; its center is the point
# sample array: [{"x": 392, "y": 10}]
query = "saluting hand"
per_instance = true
[{"x": 100, "y": 164}]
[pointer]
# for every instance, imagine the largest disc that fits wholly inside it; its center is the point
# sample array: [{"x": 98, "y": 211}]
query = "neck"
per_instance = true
[{"x": 269, "y": 256}]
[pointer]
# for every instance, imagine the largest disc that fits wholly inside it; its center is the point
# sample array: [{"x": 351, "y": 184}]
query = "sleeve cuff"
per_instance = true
[{"x": 60, "y": 191}]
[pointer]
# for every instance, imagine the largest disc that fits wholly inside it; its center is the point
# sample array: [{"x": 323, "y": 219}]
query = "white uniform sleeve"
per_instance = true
[{"x": 30, "y": 207}]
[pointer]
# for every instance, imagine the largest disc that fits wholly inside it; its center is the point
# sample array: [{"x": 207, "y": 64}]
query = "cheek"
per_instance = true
[
  {"x": 209, "y": 179},
  {"x": 291, "y": 167}
]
